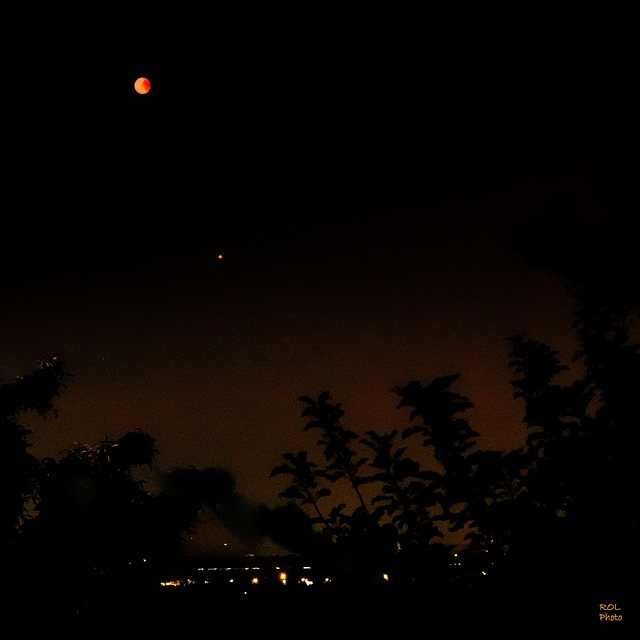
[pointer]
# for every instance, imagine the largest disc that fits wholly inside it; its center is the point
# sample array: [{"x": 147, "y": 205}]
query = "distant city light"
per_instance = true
[
  {"x": 177, "y": 583},
  {"x": 171, "y": 583},
  {"x": 283, "y": 574}
]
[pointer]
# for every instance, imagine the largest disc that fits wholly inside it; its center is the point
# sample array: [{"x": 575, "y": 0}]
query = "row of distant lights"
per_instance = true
[{"x": 282, "y": 576}]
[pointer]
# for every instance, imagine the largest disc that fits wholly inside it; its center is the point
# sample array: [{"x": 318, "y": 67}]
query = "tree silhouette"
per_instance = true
[
  {"x": 397, "y": 531},
  {"x": 77, "y": 531},
  {"x": 556, "y": 512},
  {"x": 527, "y": 493},
  {"x": 404, "y": 495},
  {"x": 36, "y": 393},
  {"x": 342, "y": 459},
  {"x": 95, "y": 530},
  {"x": 583, "y": 449},
  {"x": 304, "y": 482},
  {"x": 99, "y": 541},
  {"x": 200, "y": 487},
  {"x": 408, "y": 495},
  {"x": 556, "y": 509},
  {"x": 290, "y": 527},
  {"x": 443, "y": 429}
]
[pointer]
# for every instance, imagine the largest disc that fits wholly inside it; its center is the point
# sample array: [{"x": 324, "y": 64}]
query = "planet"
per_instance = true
[{"x": 142, "y": 85}]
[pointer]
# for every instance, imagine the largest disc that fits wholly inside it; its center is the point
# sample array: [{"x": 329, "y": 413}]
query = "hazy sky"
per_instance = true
[{"x": 360, "y": 184}]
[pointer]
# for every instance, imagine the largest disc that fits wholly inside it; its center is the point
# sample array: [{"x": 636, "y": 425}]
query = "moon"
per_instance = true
[{"x": 142, "y": 85}]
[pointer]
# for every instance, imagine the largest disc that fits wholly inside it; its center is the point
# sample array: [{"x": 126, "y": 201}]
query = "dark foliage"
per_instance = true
[
  {"x": 34, "y": 392},
  {"x": 81, "y": 537},
  {"x": 557, "y": 510}
]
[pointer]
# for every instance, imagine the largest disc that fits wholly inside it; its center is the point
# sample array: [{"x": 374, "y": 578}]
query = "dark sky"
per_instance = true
[{"x": 360, "y": 176}]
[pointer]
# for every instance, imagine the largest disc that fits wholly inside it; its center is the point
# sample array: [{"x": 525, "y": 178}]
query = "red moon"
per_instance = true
[{"x": 142, "y": 85}]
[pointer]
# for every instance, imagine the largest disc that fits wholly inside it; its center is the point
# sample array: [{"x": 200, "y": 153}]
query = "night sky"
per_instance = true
[{"x": 359, "y": 176}]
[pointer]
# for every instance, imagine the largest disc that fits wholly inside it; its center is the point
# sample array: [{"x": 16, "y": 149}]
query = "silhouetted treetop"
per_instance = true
[
  {"x": 438, "y": 408},
  {"x": 134, "y": 449},
  {"x": 336, "y": 441},
  {"x": 304, "y": 481},
  {"x": 35, "y": 391}
]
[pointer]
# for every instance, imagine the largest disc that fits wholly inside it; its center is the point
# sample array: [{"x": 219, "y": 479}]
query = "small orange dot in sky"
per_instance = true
[
  {"x": 142, "y": 85},
  {"x": 220, "y": 257}
]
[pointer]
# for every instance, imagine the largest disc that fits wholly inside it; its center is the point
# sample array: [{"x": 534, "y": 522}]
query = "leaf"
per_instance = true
[
  {"x": 429, "y": 474},
  {"x": 360, "y": 463},
  {"x": 285, "y": 468},
  {"x": 409, "y": 431},
  {"x": 336, "y": 511},
  {"x": 443, "y": 382},
  {"x": 399, "y": 453},
  {"x": 378, "y": 512},
  {"x": 292, "y": 493},
  {"x": 333, "y": 476}
]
